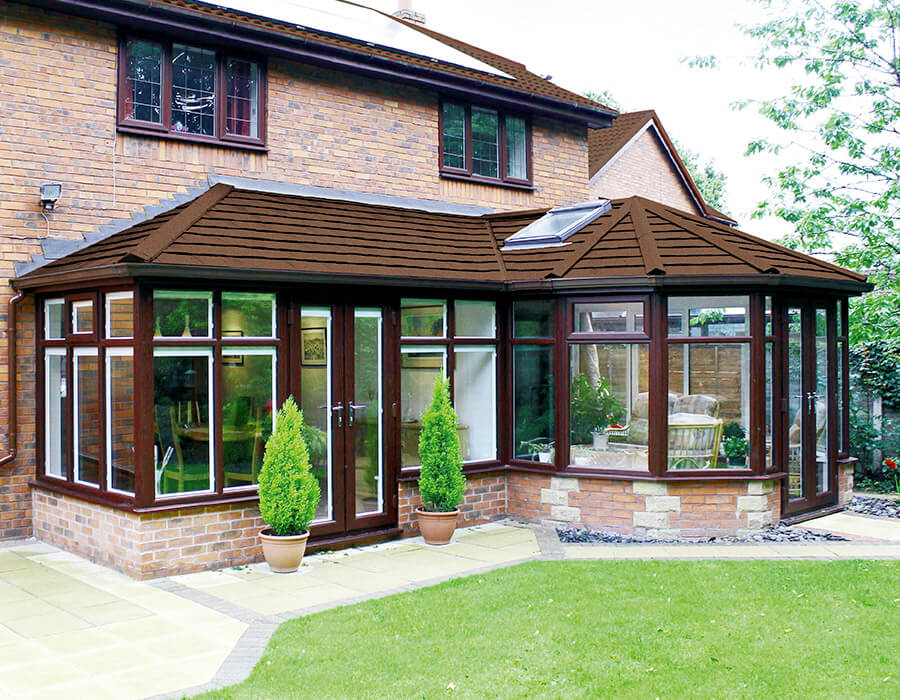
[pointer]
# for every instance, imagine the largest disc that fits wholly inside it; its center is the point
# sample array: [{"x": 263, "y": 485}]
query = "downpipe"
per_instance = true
[{"x": 12, "y": 423}]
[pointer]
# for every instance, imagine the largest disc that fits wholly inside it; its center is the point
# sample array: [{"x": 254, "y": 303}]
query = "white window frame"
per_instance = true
[
  {"x": 206, "y": 352},
  {"x": 48, "y": 428},
  {"x": 377, "y": 313},
  {"x": 235, "y": 295},
  {"x": 182, "y": 294},
  {"x": 47, "y": 304},
  {"x": 116, "y": 296},
  {"x": 78, "y": 305},
  {"x": 420, "y": 350},
  {"x": 492, "y": 349},
  {"x": 273, "y": 353},
  {"x": 111, "y": 353},
  {"x": 76, "y": 416},
  {"x": 325, "y": 312}
]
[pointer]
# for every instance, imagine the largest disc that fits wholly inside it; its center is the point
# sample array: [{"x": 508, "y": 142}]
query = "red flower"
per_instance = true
[
  {"x": 890, "y": 464},
  {"x": 617, "y": 426}
]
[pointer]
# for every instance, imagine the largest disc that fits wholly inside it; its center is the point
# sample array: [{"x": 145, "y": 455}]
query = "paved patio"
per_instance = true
[{"x": 75, "y": 629}]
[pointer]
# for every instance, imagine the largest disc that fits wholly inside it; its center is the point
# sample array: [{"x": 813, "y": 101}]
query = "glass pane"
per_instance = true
[
  {"x": 365, "y": 411},
  {"x": 609, "y": 406},
  {"x": 796, "y": 486},
  {"x": 770, "y": 328},
  {"x": 242, "y": 80},
  {"x": 182, "y": 423},
  {"x": 120, "y": 421},
  {"x": 419, "y": 368},
  {"x": 475, "y": 319},
  {"x": 840, "y": 317},
  {"x": 821, "y": 401},
  {"x": 315, "y": 398},
  {"x": 710, "y": 316},
  {"x": 143, "y": 80},
  {"x": 454, "y": 136},
  {"x": 516, "y": 145},
  {"x": 87, "y": 418},
  {"x": 193, "y": 90},
  {"x": 248, "y": 315},
  {"x": 56, "y": 427},
  {"x": 475, "y": 395},
  {"x": 770, "y": 407},
  {"x": 708, "y": 406},
  {"x": 248, "y": 395},
  {"x": 841, "y": 350},
  {"x": 54, "y": 319},
  {"x": 619, "y": 317},
  {"x": 423, "y": 318},
  {"x": 485, "y": 136},
  {"x": 119, "y": 315},
  {"x": 534, "y": 423},
  {"x": 82, "y": 317},
  {"x": 533, "y": 319},
  {"x": 182, "y": 314}
]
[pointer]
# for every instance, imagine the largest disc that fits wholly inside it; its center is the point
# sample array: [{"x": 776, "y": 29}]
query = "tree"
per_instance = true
[
  {"x": 709, "y": 180},
  {"x": 841, "y": 188}
]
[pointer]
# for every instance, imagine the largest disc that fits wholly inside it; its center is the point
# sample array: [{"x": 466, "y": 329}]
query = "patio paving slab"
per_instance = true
[{"x": 857, "y": 526}]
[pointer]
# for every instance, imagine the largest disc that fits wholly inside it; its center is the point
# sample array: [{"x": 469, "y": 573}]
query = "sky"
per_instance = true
[{"x": 636, "y": 51}]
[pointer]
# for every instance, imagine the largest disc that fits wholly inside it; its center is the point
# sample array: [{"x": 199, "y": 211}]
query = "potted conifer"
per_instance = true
[
  {"x": 288, "y": 492},
  {"x": 441, "y": 481}
]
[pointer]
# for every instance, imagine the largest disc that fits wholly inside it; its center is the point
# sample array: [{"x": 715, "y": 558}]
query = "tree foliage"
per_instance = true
[
  {"x": 840, "y": 189},
  {"x": 441, "y": 481},
  {"x": 288, "y": 492}
]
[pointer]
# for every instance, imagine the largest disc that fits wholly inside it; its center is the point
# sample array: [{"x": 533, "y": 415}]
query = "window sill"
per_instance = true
[
  {"x": 490, "y": 182},
  {"x": 192, "y": 138},
  {"x": 412, "y": 473}
]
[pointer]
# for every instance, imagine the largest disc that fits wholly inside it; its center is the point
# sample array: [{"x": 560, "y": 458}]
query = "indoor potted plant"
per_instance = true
[
  {"x": 594, "y": 409},
  {"x": 288, "y": 492},
  {"x": 441, "y": 481},
  {"x": 734, "y": 444}
]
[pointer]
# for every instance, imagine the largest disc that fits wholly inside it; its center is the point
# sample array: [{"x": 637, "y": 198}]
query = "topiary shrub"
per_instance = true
[
  {"x": 441, "y": 481},
  {"x": 288, "y": 492}
]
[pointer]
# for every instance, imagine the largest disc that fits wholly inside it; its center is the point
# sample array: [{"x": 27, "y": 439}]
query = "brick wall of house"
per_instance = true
[
  {"x": 325, "y": 128},
  {"x": 149, "y": 545},
  {"x": 845, "y": 483},
  {"x": 655, "y": 509},
  {"x": 644, "y": 169},
  {"x": 484, "y": 500}
]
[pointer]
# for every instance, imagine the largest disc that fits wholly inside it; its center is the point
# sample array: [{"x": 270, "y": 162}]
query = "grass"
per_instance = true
[{"x": 604, "y": 629}]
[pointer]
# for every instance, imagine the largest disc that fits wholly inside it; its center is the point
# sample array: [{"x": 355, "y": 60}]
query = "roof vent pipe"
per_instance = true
[{"x": 405, "y": 11}]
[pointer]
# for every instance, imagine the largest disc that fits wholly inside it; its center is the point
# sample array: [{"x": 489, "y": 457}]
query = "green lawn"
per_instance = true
[{"x": 604, "y": 629}]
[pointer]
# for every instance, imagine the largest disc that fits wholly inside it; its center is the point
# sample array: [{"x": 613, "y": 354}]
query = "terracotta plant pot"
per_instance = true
[
  {"x": 437, "y": 528},
  {"x": 283, "y": 554}
]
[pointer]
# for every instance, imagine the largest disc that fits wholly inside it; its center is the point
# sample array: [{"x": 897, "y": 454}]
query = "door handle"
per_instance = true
[
  {"x": 811, "y": 401},
  {"x": 353, "y": 408},
  {"x": 339, "y": 412}
]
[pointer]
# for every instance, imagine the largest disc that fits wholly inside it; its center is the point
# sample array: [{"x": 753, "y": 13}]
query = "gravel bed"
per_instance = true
[
  {"x": 773, "y": 533},
  {"x": 872, "y": 505}
]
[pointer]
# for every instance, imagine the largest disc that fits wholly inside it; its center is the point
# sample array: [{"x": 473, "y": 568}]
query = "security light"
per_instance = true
[{"x": 50, "y": 193}]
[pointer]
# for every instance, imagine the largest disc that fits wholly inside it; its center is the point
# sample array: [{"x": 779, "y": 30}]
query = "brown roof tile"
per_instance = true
[{"x": 229, "y": 228}]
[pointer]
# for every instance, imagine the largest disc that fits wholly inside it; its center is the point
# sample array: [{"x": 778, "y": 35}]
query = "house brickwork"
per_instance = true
[
  {"x": 483, "y": 501},
  {"x": 325, "y": 128},
  {"x": 644, "y": 168}
]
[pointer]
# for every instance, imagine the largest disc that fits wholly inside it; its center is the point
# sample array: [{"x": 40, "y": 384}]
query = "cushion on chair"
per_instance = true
[{"x": 698, "y": 404}]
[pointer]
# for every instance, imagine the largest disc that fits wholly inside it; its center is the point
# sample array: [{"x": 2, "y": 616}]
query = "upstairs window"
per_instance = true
[
  {"x": 485, "y": 144},
  {"x": 190, "y": 92}
]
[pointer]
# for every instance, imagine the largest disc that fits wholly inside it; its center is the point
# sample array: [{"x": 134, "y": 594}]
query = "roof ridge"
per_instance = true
[
  {"x": 154, "y": 244},
  {"x": 725, "y": 246},
  {"x": 646, "y": 240},
  {"x": 493, "y": 238},
  {"x": 588, "y": 245}
]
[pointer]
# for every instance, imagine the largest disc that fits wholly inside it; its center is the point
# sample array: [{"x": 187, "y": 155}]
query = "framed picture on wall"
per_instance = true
[{"x": 313, "y": 347}]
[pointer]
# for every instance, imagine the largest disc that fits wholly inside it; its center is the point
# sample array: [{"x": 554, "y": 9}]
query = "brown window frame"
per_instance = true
[
  {"x": 466, "y": 173},
  {"x": 163, "y": 129}
]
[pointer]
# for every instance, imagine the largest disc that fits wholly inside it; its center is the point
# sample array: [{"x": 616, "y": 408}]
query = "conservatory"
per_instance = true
[{"x": 621, "y": 365}]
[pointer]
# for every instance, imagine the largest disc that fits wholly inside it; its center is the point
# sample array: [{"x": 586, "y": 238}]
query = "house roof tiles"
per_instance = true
[{"x": 229, "y": 228}]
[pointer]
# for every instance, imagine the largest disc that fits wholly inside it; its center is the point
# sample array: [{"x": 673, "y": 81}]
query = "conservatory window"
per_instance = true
[
  {"x": 248, "y": 315},
  {"x": 423, "y": 318},
  {"x": 83, "y": 317},
  {"x": 609, "y": 317},
  {"x": 56, "y": 429},
  {"x": 420, "y": 366},
  {"x": 609, "y": 400},
  {"x": 183, "y": 419},
  {"x": 534, "y": 385},
  {"x": 120, "y": 419},
  {"x": 120, "y": 315},
  {"x": 54, "y": 319},
  {"x": 475, "y": 399},
  {"x": 182, "y": 314},
  {"x": 86, "y": 402}
]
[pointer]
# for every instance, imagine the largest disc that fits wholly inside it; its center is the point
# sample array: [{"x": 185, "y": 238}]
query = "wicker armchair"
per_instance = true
[{"x": 693, "y": 441}]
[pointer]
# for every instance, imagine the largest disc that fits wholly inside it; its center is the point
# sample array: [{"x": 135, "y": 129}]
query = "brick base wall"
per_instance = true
[
  {"x": 484, "y": 500},
  {"x": 147, "y": 545},
  {"x": 845, "y": 483},
  {"x": 652, "y": 508}
]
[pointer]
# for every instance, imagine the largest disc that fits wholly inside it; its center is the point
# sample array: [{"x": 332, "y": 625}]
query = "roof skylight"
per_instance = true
[{"x": 554, "y": 227}]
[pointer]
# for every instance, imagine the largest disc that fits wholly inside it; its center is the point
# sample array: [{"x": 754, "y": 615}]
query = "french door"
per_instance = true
[
  {"x": 341, "y": 381},
  {"x": 810, "y": 393}
]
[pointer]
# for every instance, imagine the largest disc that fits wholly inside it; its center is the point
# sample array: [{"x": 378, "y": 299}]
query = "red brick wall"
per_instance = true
[{"x": 484, "y": 500}]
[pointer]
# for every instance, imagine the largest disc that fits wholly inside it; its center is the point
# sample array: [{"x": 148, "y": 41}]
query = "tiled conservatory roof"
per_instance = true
[{"x": 241, "y": 229}]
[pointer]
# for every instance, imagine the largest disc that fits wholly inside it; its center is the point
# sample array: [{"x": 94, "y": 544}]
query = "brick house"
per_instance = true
[{"x": 252, "y": 208}]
